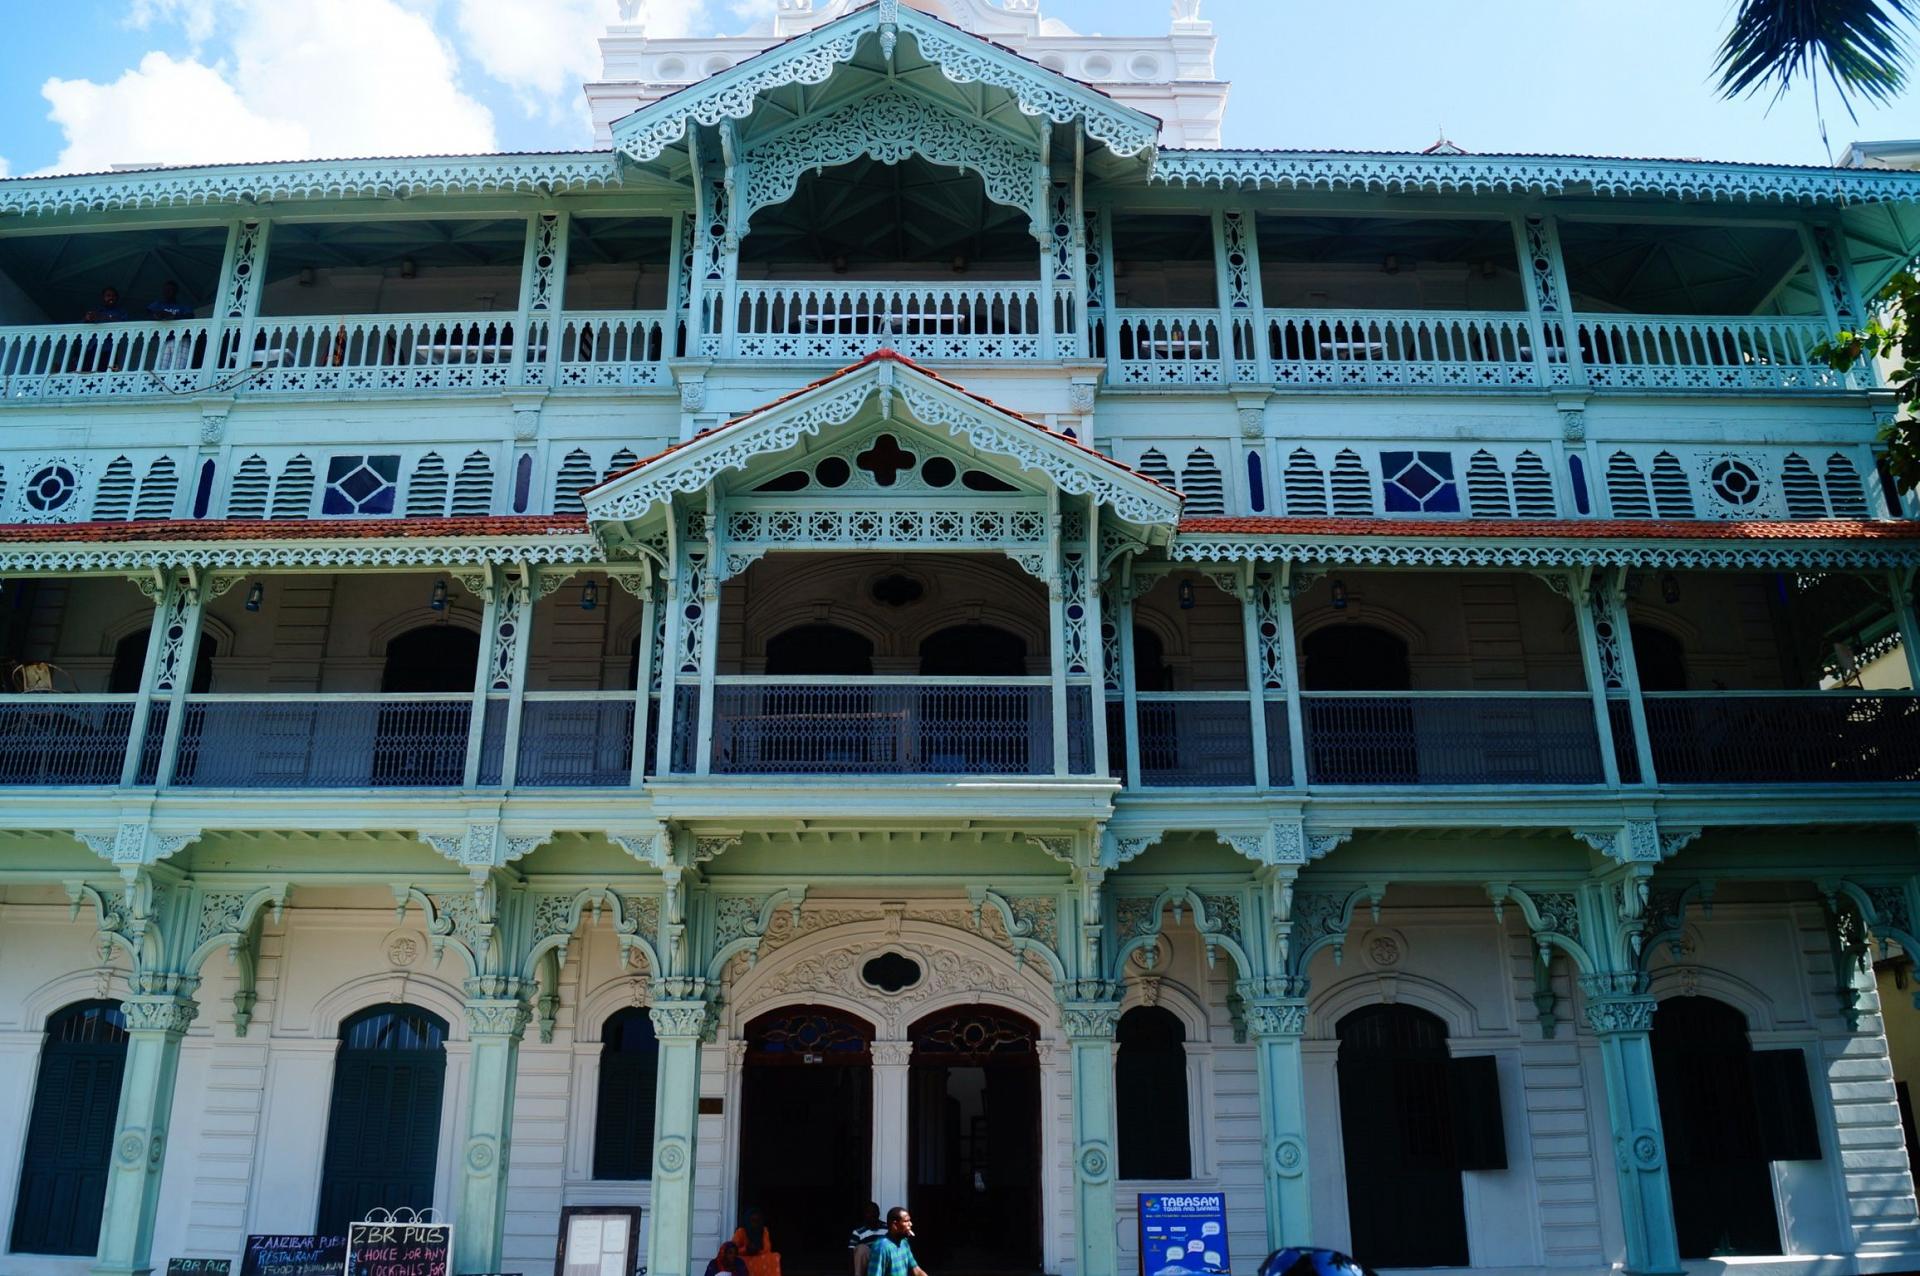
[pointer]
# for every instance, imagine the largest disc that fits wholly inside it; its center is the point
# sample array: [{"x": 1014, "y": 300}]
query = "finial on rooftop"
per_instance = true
[
  {"x": 1443, "y": 146},
  {"x": 629, "y": 10},
  {"x": 1186, "y": 10}
]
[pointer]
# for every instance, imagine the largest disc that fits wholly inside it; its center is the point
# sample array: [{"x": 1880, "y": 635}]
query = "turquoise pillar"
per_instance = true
[
  {"x": 1275, "y": 1026},
  {"x": 494, "y": 1028},
  {"x": 156, "y": 1024},
  {"x": 1090, "y": 1028},
  {"x": 680, "y": 1026},
  {"x": 1623, "y": 1024}
]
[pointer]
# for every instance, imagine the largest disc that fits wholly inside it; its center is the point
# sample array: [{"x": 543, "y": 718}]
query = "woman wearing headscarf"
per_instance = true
[{"x": 755, "y": 1244}]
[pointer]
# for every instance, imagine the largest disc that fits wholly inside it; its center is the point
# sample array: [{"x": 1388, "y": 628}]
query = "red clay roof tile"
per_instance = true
[
  {"x": 214, "y": 529},
  {"x": 1560, "y": 529}
]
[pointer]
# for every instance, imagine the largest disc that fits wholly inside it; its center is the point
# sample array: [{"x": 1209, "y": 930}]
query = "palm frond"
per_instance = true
[{"x": 1860, "y": 45}]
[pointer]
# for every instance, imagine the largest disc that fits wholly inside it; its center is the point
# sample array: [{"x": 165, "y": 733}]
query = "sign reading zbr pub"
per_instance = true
[
  {"x": 294, "y": 1256},
  {"x": 403, "y": 1246},
  {"x": 199, "y": 1266},
  {"x": 1183, "y": 1233}
]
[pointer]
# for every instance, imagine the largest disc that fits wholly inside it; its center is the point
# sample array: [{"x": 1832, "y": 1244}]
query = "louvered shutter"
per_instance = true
[
  {"x": 1305, "y": 485},
  {"x": 293, "y": 493},
  {"x": 247, "y": 498},
  {"x": 1487, "y": 495},
  {"x": 1627, "y": 488},
  {"x": 1532, "y": 487},
  {"x": 1844, "y": 491},
  {"x": 158, "y": 490},
  {"x": 427, "y": 489},
  {"x": 1672, "y": 493},
  {"x": 473, "y": 486},
  {"x": 113, "y": 499}
]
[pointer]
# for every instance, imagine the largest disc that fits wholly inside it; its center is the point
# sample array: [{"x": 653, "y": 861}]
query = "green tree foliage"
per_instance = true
[
  {"x": 1860, "y": 44},
  {"x": 1891, "y": 334}
]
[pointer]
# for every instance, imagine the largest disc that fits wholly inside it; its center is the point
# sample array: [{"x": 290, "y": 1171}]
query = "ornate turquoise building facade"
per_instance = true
[{"x": 905, "y": 630}]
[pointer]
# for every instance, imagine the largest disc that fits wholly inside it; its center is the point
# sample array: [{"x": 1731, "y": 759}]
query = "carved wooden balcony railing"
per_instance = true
[
  {"x": 1474, "y": 349},
  {"x": 1650, "y": 352},
  {"x": 104, "y": 360},
  {"x": 988, "y": 321}
]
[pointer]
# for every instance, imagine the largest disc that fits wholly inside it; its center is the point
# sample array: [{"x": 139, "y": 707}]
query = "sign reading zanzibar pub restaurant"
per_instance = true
[
  {"x": 293, "y": 1256},
  {"x": 401, "y": 1245}
]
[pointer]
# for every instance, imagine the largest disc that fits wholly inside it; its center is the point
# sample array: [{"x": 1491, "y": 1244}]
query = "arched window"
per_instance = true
[
  {"x": 432, "y": 658},
  {"x": 1659, "y": 658},
  {"x": 76, "y": 1100},
  {"x": 1150, "y": 669},
  {"x": 623, "y": 1117},
  {"x": 973, "y": 651},
  {"x": 1150, "y": 1094},
  {"x": 130, "y": 661},
  {"x": 1354, "y": 657},
  {"x": 383, "y": 1124},
  {"x": 1727, "y": 1112},
  {"x": 819, "y": 649}
]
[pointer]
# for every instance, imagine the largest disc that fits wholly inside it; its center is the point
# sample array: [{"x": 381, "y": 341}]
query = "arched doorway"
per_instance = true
[
  {"x": 76, "y": 1101},
  {"x": 383, "y": 1124},
  {"x": 1405, "y": 1201},
  {"x": 1717, "y": 1161},
  {"x": 819, "y": 649},
  {"x": 425, "y": 742},
  {"x": 1659, "y": 659},
  {"x": 1150, "y": 1094},
  {"x": 130, "y": 662},
  {"x": 973, "y": 1139},
  {"x": 1353, "y": 739},
  {"x": 973, "y": 651},
  {"x": 624, "y": 1102},
  {"x": 806, "y": 1131}
]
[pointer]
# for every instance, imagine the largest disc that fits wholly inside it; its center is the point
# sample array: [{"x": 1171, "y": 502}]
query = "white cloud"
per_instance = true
[
  {"x": 163, "y": 112},
  {"x": 299, "y": 79},
  {"x": 196, "y": 17},
  {"x": 544, "y": 51}
]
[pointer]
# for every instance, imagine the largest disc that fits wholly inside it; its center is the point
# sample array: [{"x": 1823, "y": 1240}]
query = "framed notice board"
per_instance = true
[
  {"x": 1183, "y": 1233},
  {"x": 390, "y": 1247},
  {"x": 294, "y": 1256},
  {"x": 599, "y": 1240}
]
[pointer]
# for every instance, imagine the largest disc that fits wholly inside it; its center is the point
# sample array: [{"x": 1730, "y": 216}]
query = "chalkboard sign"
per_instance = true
[
  {"x": 199, "y": 1266},
  {"x": 399, "y": 1249},
  {"x": 294, "y": 1256}
]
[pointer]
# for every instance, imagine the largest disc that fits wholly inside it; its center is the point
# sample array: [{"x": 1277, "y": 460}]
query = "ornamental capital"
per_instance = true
[
  {"x": 685, "y": 1020},
  {"x": 1613, "y": 1015},
  {"x": 1267, "y": 1019},
  {"x": 498, "y": 1017},
  {"x": 171, "y": 1015}
]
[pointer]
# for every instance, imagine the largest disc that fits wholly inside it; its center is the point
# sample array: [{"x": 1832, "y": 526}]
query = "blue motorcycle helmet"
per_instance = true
[{"x": 1300, "y": 1261}]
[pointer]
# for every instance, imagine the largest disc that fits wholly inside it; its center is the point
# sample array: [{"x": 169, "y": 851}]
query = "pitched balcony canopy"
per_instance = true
[
  {"x": 885, "y": 81},
  {"x": 881, "y": 436}
]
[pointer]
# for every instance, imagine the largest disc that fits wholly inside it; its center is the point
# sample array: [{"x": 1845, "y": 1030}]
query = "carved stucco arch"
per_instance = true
[
  {"x": 1173, "y": 997},
  {"x": 607, "y": 998},
  {"x": 63, "y": 990},
  {"x": 1358, "y": 991},
  {"x": 889, "y": 126},
  {"x": 1686, "y": 979},
  {"x": 397, "y": 987},
  {"x": 1377, "y": 614},
  {"x": 457, "y": 615},
  {"x": 959, "y": 967},
  {"x": 804, "y": 581}
]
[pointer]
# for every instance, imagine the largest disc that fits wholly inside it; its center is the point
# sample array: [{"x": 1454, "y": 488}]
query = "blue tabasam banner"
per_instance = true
[{"x": 1183, "y": 1233}]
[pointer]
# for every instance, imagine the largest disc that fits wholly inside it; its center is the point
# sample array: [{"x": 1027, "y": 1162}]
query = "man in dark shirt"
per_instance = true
[
  {"x": 169, "y": 306},
  {"x": 860, "y": 1241},
  {"x": 109, "y": 310}
]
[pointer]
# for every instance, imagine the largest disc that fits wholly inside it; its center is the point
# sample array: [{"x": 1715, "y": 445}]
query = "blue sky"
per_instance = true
[{"x": 89, "y": 82}]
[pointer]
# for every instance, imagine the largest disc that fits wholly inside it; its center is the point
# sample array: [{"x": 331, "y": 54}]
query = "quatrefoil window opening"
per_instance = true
[
  {"x": 51, "y": 487},
  {"x": 886, "y": 460},
  {"x": 1735, "y": 482},
  {"x": 890, "y": 972}
]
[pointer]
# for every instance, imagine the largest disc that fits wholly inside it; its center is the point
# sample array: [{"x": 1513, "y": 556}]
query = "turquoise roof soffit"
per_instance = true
[
  {"x": 248, "y": 184},
  {"x": 919, "y": 403},
  {"x": 814, "y": 57},
  {"x": 1552, "y": 175}
]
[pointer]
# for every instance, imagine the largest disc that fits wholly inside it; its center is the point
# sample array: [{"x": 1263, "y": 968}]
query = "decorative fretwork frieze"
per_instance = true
[
  {"x": 334, "y": 179},
  {"x": 1383, "y": 551},
  {"x": 889, "y": 126},
  {"x": 1528, "y": 175}
]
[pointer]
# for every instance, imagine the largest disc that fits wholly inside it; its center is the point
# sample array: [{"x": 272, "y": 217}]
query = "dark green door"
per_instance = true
[
  {"x": 76, "y": 1098},
  {"x": 383, "y": 1127}
]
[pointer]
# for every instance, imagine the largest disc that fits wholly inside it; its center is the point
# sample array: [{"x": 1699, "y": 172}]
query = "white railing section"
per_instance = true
[
  {"x": 1169, "y": 347},
  {"x": 1701, "y": 353},
  {"x": 379, "y": 352},
  {"x": 609, "y": 348},
  {"x": 1451, "y": 737},
  {"x": 102, "y": 361},
  {"x": 922, "y": 321},
  {"x": 1445, "y": 348}
]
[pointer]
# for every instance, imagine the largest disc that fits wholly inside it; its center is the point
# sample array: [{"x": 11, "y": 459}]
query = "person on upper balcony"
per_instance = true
[
  {"x": 168, "y": 305},
  {"x": 109, "y": 310}
]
